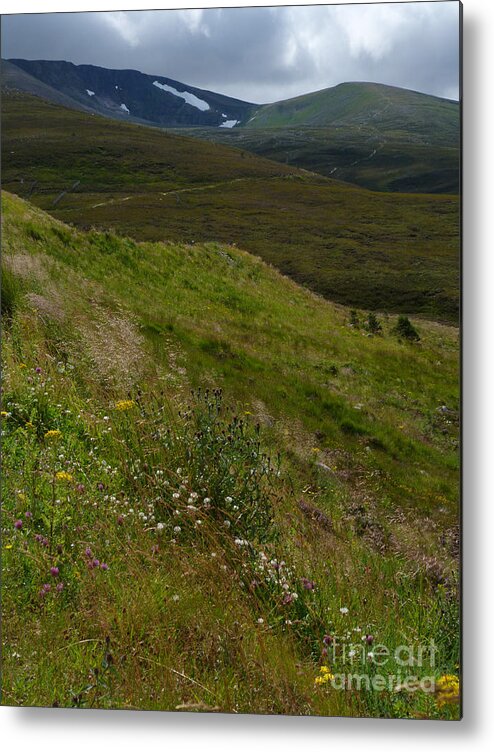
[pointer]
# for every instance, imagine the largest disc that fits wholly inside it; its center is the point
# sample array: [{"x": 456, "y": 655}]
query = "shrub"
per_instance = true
[
  {"x": 373, "y": 324},
  {"x": 405, "y": 329}
]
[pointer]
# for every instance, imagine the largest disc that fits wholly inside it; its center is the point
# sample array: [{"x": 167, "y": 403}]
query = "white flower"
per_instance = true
[
  {"x": 228, "y": 499},
  {"x": 343, "y": 610},
  {"x": 260, "y": 621},
  {"x": 175, "y": 598},
  {"x": 177, "y": 529},
  {"x": 159, "y": 527},
  {"x": 175, "y": 495},
  {"x": 370, "y": 656},
  {"x": 227, "y": 523},
  {"x": 351, "y": 653}
]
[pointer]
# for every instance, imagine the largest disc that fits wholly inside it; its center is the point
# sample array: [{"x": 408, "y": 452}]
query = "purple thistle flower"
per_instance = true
[
  {"x": 88, "y": 552},
  {"x": 287, "y": 599},
  {"x": 307, "y": 584},
  {"x": 28, "y": 515},
  {"x": 327, "y": 639},
  {"x": 60, "y": 587},
  {"x": 45, "y": 589},
  {"x": 95, "y": 563},
  {"x": 80, "y": 487},
  {"x": 18, "y": 524},
  {"x": 100, "y": 486},
  {"x": 369, "y": 639},
  {"x": 120, "y": 519},
  {"x": 54, "y": 571},
  {"x": 104, "y": 567},
  {"x": 37, "y": 369}
]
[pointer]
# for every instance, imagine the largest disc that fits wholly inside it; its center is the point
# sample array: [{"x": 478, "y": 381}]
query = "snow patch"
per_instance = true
[
  {"x": 90, "y": 93},
  {"x": 191, "y": 99},
  {"x": 125, "y": 108},
  {"x": 229, "y": 124}
]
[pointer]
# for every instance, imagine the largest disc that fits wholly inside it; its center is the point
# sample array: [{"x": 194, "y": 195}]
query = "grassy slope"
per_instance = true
[
  {"x": 169, "y": 624},
  {"x": 359, "y": 155},
  {"x": 386, "y": 252},
  {"x": 387, "y": 108}
]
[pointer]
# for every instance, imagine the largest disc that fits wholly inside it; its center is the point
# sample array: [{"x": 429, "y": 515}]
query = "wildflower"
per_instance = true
[
  {"x": 62, "y": 475},
  {"x": 343, "y": 610},
  {"x": 327, "y": 639},
  {"x": 28, "y": 515},
  {"x": 94, "y": 564},
  {"x": 22, "y": 365},
  {"x": 104, "y": 567},
  {"x": 175, "y": 598},
  {"x": 8, "y": 546},
  {"x": 120, "y": 520},
  {"x": 260, "y": 621},
  {"x": 159, "y": 527},
  {"x": 287, "y": 599},
  {"x": 80, "y": 487},
  {"x": 100, "y": 486},
  {"x": 227, "y": 523},
  {"x": 177, "y": 529},
  {"x": 54, "y": 571},
  {"x": 123, "y": 405},
  {"x": 37, "y": 369},
  {"x": 324, "y": 677},
  {"x": 18, "y": 524},
  {"x": 369, "y": 639},
  {"x": 5, "y": 414},
  {"x": 307, "y": 584},
  {"x": 88, "y": 552},
  {"x": 53, "y": 434},
  {"x": 60, "y": 587},
  {"x": 447, "y": 689},
  {"x": 45, "y": 589}
]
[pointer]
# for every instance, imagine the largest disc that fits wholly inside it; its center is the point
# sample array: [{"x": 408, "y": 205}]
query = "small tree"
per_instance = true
[
  {"x": 406, "y": 330},
  {"x": 373, "y": 324}
]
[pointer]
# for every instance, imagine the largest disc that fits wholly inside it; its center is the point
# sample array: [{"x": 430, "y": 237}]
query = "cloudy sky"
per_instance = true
[{"x": 257, "y": 54}]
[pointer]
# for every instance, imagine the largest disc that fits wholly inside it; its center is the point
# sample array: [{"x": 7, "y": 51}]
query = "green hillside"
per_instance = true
[
  {"x": 388, "y": 109},
  {"x": 200, "y": 550},
  {"x": 354, "y": 154},
  {"x": 379, "y": 251}
]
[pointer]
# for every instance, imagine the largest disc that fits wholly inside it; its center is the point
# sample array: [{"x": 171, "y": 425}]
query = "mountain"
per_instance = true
[
  {"x": 381, "y": 251},
  {"x": 135, "y": 96},
  {"x": 386, "y": 110}
]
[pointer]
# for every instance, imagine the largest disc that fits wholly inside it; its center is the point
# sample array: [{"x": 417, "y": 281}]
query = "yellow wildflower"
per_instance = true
[
  {"x": 62, "y": 475},
  {"x": 316, "y": 449},
  {"x": 22, "y": 365},
  {"x": 124, "y": 405},
  {"x": 29, "y": 424},
  {"x": 53, "y": 434},
  {"x": 325, "y": 676},
  {"x": 447, "y": 689},
  {"x": 8, "y": 546},
  {"x": 4, "y": 414}
]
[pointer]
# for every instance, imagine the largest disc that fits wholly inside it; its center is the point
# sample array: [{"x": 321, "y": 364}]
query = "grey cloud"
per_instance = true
[{"x": 258, "y": 54}]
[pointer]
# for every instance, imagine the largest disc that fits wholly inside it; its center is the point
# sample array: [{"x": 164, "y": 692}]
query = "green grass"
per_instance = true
[
  {"x": 387, "y": 109},
  {"x": 386, "y": 252},
  {"x": 355, "y": 154},
  {"x": 322, "y": 446}
]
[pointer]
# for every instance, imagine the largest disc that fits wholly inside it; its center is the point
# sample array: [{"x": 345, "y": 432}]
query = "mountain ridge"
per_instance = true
[{"x": 122, "y": 94}]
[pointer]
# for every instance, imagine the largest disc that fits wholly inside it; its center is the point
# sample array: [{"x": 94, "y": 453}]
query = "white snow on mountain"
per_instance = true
[
  {"x": 124, "y": 108},
  {"x": 90, "y": 93},
  {"x": 191, "y": 99},
  {"x": 229, "y": 124}
]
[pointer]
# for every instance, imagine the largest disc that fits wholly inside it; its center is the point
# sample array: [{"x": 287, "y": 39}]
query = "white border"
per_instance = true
[{"x": 90, "y": 731}]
